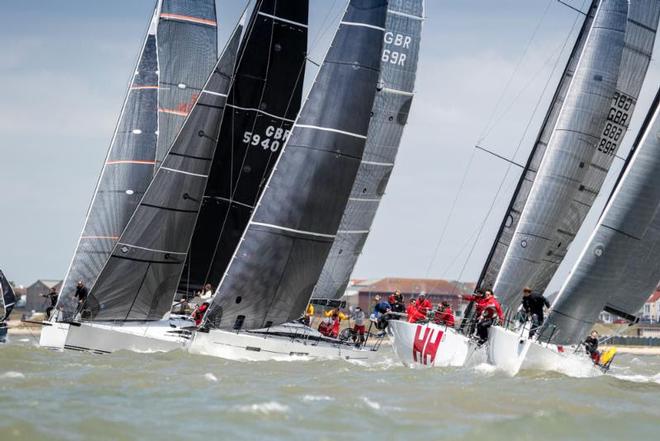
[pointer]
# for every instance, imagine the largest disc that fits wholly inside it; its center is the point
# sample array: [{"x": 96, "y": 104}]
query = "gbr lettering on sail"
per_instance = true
[{"x": 395, "y": 48}]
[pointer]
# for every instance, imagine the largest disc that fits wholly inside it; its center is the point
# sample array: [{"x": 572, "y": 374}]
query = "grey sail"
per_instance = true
[
  {"x": 641, "y": 24},
  {"x": 394, "y": 97},
  {"x": 187, "y": 47},
  {"x": 262, "y": 105},
  {"x": 512, "y": 215},
  {"x": 281, "y": 255},
  {"x": 620, "y": 265},
  {"x": 570, "y": 150},
  {"x": 139, "y": 280},
  {"x": 7, "y": 297},
  {"x": 131, "y": 158}
]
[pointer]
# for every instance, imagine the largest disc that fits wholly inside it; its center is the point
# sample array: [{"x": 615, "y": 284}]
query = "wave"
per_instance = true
[{"x": 265, "y": 408}]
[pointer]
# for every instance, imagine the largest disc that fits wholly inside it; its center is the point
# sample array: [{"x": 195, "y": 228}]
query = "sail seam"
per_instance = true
[
  {"x": 352, "y": 231},
  {"x": 382, "y": 164},
  {"x": 184, "y": 172},
  {"x": 275, "y": 17},
  {"x": 150, "y": 249},
  {"x": 231, "y": 201},
  {"x": 252, "y": 109},
  {"x": 293, "y": 230},
  {"x": 215, "y": 93},
  {"x": 188, "y": 18},
  {"x": 363, "y": 25},
  {"x": 403, "y": 14},
  {"x": 397, "y": 92},
  {"x": 328, "y": 129}
]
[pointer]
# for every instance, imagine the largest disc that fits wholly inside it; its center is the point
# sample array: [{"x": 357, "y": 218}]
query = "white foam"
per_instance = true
[
  {"x": 485, "y": 369},
  {"x": 12, "y": 374},
  {"x": 370, "y": 403},
  {"x": 639, "y": 378},
  {"x": 310, "y": 398},
  {"x": 210, "y": 377},
  {"x": 264, "y": 408},
  {"x": 24, "y": 340}
]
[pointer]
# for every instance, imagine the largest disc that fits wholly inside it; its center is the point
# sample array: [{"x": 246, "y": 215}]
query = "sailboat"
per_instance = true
[
  {"x": 617, "y": 269},
  {"x": 7, "y": 302},
  {"x": 592, "y": 116},
  {"x": 281, "y": 254},
  {"x": 177, "y": 54}
]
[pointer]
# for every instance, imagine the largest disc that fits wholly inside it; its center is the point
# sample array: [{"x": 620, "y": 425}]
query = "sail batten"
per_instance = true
[
  {"x": 132, "y": 156},
  {"x": 273, "y": 270}
]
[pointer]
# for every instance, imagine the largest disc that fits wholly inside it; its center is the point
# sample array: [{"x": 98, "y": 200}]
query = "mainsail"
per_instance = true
[
  {"x": 7, "y": 297},
  {"x": 131, "y": 159},
  {"x": 261, "y": 108},
  {"x": 591, "y": 121},
  {"x": 282, "y": 252},
  {"x": 394, "y": 97},
  {"x": 140, "y": 278},
  {"x": 618, "y": 268}
]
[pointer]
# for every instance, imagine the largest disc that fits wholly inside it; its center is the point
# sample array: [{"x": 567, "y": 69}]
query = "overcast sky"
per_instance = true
[{"x": 483, "y": 69}]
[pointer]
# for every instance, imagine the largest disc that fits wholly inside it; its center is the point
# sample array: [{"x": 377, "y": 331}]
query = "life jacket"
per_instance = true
[
  {"x": 444, "y": 317},
  {"x": 490, "y": 308},
  {"x": 335, "y": 327},
  {"x": 413, "y": 314},
  {"x": 198, "y": 315},
  {"x": 423, "y": 306}
]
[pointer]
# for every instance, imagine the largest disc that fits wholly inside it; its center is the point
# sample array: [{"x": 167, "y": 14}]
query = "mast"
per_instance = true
[
  {"x": 131, "y": 159},
  {"x": 141, "y": 275},
  {"x": 618, "y": 268},
  {"x": 264, "y": 102},
  {"x": 390, "y": 111},
  {"x": 288, "y": 238}
]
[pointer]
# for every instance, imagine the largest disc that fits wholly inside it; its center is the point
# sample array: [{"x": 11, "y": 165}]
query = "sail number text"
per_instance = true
[
  {"x": 271, "y": 140},
  {"x": 616, "y": 125},
  {"x": 395, "y": 55}
]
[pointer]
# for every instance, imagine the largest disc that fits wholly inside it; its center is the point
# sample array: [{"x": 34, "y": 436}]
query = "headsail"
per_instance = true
[
  {"x": 282, "y": 252},
  {"x": 7, "y": 297},
  {"x": 140, "y": 278},
  {"x": 618, "y": 268},
  {"x": 262, "y": 106},
  {"x": 131, "y": 159},
  {"x": 394, "y": 97}
]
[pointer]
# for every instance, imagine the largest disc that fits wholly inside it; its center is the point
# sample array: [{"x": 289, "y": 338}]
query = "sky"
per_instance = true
[{"x": 484, "y": 67}]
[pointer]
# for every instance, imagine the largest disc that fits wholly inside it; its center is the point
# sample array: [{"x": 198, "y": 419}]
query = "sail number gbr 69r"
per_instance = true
[{"x": 271, "y": 140}]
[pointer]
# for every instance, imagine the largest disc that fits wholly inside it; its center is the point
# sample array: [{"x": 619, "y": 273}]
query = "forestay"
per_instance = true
[
  {"x": 618, "y": 268},
  {"x": 131, "y": 159},
  {"x": 394, "y": 97},
  {"x": 140, "y": 278},
  {"x": 7, "y": 297},
  {"x": 262, "y": 105},
  {"x": 273, "y": 271},
  {"x": 569, "y": 152}
]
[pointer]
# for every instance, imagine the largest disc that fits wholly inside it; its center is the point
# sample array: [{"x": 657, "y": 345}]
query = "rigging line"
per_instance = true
[
  {"x": 571, "y": 7},
  {"x": 529, "y": 122},
  {"x": 489, "y": 125}
]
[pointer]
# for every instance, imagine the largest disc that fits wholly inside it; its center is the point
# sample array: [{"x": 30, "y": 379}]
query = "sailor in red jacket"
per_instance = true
[
  {"x": 423, "y": 304},
  {"x": 491, "y": 310},
  {"x": 413, "y": 313},
  {"x": 444, "y": 315}
]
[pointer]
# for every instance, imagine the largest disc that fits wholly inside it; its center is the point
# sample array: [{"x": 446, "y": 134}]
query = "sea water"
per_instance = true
[{"x": 170, "y": 396}]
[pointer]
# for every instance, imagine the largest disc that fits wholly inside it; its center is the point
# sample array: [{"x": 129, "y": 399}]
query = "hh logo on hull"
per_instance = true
[{"x": 425, "y": 344}]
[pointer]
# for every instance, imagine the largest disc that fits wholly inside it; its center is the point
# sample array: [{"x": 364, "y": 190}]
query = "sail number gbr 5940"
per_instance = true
[
  {"x": 617, "y": 123},
  {"x": 272, "y": 139}
]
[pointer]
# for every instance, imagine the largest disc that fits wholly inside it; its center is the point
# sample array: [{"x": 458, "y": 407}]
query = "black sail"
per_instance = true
[
  {"x": 8, "y": 297},
  {"x": 131, "y": 158},
  {"x": 262, "y": 105},
  {"x": 282, "y": 252},
  {"x": 140, "y": 278}
]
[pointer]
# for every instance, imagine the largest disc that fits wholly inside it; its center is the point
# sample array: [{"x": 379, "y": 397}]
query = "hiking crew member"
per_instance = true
[
  {"x": 591, "y": 345},
  {"x": 413, "y": 313},
  {"x": 337, "y": 311},
  {"x": 359, "y": 327},
  {"x": 396, "y": 302},
  {"x": 444, "y": 315},
  {"x": 381, "y": 313},
  {"x": 491, "y": 310},
  {"x": 207, "y": 293},
  {"x": 52, "y": 298},
  {"x": 81, "y": 294},
  {"x": 307, "y": 317},
  {"x": 334, "y": 330},
  {"x": 198, "y": 313},
  {"x": 533, "y": 304},
  {"x": 478, "y": 300},
  {"x": 424, "y": 305}
]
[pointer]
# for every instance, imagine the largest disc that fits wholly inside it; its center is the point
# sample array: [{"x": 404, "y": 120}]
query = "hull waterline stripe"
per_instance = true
[
  {"x": 252, "y": 109},
  {"x": 327, "y": 129},
  {"x": 188, "y": 18},
  {"x": 292, "y": 230},
  {"x": 275, "y": 17},
  {"x": 130, "y": 161},
  {"x": 150, "y": 249},
  {"x": 363, "y": 25},
  {"x": 184, "y": 172}
]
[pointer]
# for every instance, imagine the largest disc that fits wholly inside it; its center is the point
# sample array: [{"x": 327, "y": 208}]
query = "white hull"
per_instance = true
[
  {"x": 569, "y": 362},
  {"x": 431, "y": 345},
  {"x": 507, "y": 349},
  {"x": 266, "y": 346},
  {"x": 53, "y": 335}
]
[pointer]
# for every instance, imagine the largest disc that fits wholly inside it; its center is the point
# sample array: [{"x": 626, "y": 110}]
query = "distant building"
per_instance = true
[
  {"x": 34, "y": 300},
  {"x": 651, "y": 309},
  {"x": 362, "y": 292}
]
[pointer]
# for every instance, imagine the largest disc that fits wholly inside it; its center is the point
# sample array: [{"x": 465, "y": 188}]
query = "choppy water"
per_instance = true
[{"x": 127, "y": 396}]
